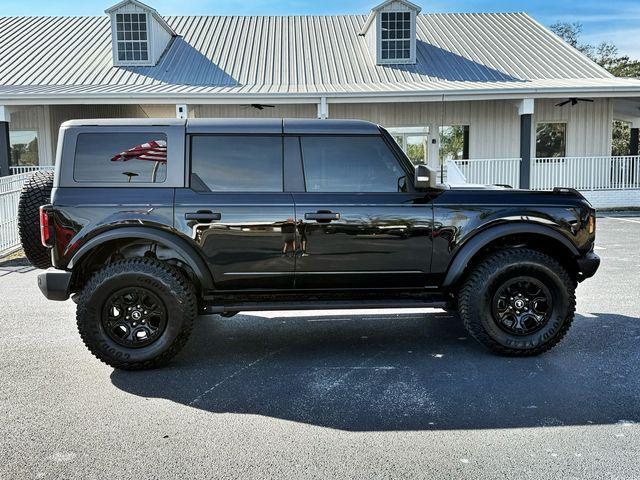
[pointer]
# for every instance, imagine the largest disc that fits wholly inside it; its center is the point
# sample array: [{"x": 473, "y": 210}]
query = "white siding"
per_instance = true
[
  {"x": 159, "y": 41},
  {"x": 494, "y": 126},
  {"x": 62, "y": 113},
  {"x": 244, "y": 111},
  {"x": 35, "y": 118},
  {"x": 589, "y": 125}
]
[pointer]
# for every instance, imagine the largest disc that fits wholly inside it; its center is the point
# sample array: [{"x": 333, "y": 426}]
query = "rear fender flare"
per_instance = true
[
  {"x": 480, "y": 240},
  {"x": 181, "y": 246}
]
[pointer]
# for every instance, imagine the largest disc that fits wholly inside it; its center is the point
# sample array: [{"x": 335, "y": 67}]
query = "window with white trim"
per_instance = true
[
  {"x": 414, "y": 141},
  {"x": 132, "y": 37},
  {"x": 395, "y": 36}
]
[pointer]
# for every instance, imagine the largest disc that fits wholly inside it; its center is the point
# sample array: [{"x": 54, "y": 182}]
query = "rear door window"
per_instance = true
[
  {"x": 238, "y": 163},
  {"x": 121, "y": 158},
  {"x": 350, "y": 164}
]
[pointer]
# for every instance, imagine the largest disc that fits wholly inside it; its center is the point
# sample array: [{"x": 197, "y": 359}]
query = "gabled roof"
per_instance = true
[
  {"x": 377, "y": 8},
  {"x": 61, "y": 58},
  {"x": 154, "y": 13}
]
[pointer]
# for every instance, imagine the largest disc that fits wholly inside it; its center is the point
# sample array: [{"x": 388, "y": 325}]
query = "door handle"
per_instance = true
[
  {"x": 203, "y": 216},
  {"x": 322, "y": 216}
]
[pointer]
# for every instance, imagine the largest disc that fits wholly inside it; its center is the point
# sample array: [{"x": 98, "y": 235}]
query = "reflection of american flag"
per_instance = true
[{"x": 155, "y": 150}]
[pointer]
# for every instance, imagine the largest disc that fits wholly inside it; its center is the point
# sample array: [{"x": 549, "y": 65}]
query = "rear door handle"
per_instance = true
[
  {"x": 203, "y": 216},
  {"x": 322, "y": 216}
]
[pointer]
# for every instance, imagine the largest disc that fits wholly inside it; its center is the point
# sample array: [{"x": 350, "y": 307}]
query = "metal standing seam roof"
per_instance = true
[{"x": 294, "y": 56}]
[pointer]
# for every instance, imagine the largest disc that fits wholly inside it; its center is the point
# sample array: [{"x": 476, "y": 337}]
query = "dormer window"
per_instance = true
[
  {"x": 390, "y": 32},
  {"x": 132, "y": 39},
  {"x": 140, "y": 36},
  {"x": 396, "y": 35}
]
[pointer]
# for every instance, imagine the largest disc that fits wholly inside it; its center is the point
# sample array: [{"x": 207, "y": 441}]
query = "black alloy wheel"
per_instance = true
[
  {"x": 518, "y": 301},
  {"x": 134, "y": 317},
  {"x": 522, "y": 305}
]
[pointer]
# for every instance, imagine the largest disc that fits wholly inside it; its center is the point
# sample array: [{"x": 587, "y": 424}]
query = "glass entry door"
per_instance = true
[{"x": 417, "y": 143}]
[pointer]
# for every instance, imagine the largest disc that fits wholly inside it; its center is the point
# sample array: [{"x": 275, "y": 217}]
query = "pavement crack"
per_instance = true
[{"x": 197, "y": 399}]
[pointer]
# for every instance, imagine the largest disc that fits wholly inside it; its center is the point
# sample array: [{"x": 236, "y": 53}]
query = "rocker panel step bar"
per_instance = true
[{"x": 435, "y": 302}]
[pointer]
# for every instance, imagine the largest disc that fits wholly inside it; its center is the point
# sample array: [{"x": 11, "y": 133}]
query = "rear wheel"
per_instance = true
[
  {"x": 35, "y": 193},
  {"x": 136, "y": 313},
  {"x": 518, "y": 302}
]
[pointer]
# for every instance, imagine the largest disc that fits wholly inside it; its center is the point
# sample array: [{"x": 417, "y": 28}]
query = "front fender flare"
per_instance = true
[
  {"x": 477, "y": 242},
  {"x": 181, "y": 246}
]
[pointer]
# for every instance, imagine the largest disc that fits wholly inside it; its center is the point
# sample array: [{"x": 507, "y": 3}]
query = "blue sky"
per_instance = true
[{"x": 617, "y": 21}]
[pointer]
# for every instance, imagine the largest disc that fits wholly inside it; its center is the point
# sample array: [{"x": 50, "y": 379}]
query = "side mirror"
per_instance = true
[{"x": 424, "y": 177}]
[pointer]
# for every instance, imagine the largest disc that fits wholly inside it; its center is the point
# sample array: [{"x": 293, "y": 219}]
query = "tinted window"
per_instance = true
[
  {"x": 238, "y": 163},
  {"x": 350, "y": 164},
  {"x": 121, "y": 158},
  {"x": 551, "y": 140}
]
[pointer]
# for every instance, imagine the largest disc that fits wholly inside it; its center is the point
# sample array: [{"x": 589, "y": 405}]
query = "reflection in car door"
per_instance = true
[
  {"x": 355, "y": 229},
  {"x": 237, "y": 213}
]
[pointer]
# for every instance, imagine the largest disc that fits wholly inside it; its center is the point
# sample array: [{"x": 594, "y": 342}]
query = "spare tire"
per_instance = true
[{"x": 35, "y": 192}]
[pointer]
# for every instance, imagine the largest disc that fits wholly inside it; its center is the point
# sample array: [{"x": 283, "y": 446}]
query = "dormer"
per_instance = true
[
  {"x": 139, "y": 34},
  {"x": 390, "y": 32}
]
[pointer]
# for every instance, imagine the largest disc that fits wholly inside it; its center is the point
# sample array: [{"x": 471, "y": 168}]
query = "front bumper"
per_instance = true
[
  {"x": 55, "y": 285},
  {"x": 588, "y": 265}
]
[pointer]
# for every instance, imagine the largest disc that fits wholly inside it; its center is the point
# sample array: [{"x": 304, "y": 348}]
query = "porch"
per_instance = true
[
  {"x": 606, "y": 181},
  {"x": 430, "y": 131}
]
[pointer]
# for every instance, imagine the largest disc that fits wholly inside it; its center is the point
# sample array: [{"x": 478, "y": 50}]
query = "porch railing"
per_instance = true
[
  {"x": 504, "y": 171},
  {"x": 16, "y": 170},
  {"x": 586, "y": 173},
  {"x": 9, "y": 196},
  {"x": 581, "y": 173}
]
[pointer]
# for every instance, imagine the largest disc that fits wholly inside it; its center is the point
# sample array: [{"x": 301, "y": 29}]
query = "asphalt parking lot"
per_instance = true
[{"x": 329, "y": 394}]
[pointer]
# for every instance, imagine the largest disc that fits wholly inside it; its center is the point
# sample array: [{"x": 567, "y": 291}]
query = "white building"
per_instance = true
[{"x": 496, "y": 87}]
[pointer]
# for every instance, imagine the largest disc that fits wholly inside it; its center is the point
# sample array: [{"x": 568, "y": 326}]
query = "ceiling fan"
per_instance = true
[
  {"x": 574, "y": 101},
  {"x": 258, "y": 106}
]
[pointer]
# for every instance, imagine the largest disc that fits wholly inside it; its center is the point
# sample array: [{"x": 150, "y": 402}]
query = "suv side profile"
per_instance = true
[{"x": 152, "y": 222}]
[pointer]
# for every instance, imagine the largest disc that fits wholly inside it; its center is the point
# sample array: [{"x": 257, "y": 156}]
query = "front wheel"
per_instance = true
[
  {"x": 518, "y": 302},
  {"x": 136, "y": 313}
]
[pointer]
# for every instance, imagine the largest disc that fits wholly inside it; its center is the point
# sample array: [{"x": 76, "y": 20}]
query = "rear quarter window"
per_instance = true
[{"x": 121, "y": 158}]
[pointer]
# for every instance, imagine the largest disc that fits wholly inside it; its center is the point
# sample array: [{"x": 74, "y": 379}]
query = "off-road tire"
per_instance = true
[
  {"x": 35, "y": 192},
  {"x": 476, "y": 297},
  {"x": 169, "y": 284}
]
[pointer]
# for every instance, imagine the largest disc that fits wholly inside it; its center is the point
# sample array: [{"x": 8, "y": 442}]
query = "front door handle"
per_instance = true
[
  {"x": 203, "y": 216},
  {"x": 322, "y": 216}
]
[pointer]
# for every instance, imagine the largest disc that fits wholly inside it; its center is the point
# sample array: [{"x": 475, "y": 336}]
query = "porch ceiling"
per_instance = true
[{"x": 627, "y": 109}]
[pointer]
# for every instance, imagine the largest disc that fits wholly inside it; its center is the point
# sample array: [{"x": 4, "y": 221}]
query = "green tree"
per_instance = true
[{"x": 606, "y": 55}]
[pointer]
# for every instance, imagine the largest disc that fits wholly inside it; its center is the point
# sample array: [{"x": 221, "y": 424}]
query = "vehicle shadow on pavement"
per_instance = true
[
  {"x": 15, "y": 264},
  {"x": 398, "y": 372}
]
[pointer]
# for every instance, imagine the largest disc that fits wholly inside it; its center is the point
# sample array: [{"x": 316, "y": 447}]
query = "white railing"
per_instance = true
[
  {"x": 16, "y": 170},
  {"x": 10, "y": 188},
  {"x": 586, "y": 173},
  {"x": 503, "y": 171}
]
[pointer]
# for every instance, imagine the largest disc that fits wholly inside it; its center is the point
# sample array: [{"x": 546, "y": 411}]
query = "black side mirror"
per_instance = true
[{"x": 424, "y": 178}]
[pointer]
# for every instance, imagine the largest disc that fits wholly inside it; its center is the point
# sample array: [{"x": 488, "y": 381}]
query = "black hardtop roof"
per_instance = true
[
  {"x": 276, "y": 126},
  {"x": 242, "y": 125}
]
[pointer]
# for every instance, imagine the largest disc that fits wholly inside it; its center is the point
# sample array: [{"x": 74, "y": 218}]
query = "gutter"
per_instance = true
[{"x": 314, "y": 97}]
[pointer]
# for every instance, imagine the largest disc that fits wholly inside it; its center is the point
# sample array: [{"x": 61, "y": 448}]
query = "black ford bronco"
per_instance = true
[{"x": 149, "y": 223}]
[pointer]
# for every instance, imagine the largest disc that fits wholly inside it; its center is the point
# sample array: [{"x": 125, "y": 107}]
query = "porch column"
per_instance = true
[
  {"x": 5, "y": 147},
  {"x": 525, "y": 110},
  {"x": 323, "y": 109},
  {"x": 634, "y": 144},
  {"x": 633, "y": 148}
]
